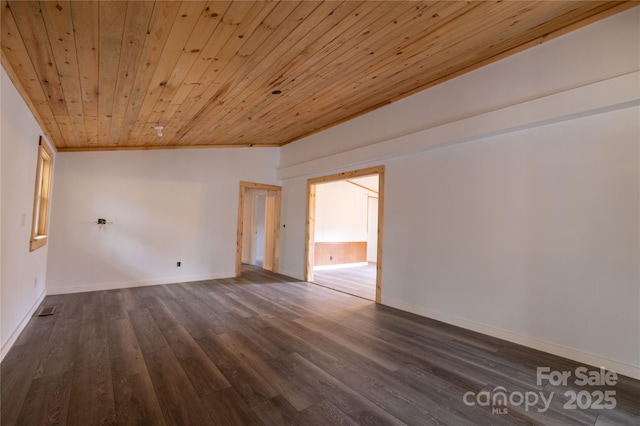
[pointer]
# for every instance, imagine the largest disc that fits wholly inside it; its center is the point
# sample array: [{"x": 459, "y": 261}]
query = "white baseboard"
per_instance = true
[
  {"x": 531, "y": 342},
  {"x": 16, "y": 333},
  {"x": 143, "y": 283},
  {"x": 340, "y": 266}
]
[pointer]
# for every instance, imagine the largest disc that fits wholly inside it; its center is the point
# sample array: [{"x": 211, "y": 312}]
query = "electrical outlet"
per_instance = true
[
  {"x": 330, "y": 257},
  {"x": 179, "y": 264}
]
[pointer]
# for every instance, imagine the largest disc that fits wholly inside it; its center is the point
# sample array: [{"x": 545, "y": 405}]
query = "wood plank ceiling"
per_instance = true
[{"x": 101, "y": 75}]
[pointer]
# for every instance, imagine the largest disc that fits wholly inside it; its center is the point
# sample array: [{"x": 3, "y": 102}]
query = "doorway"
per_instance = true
[
  {"x": 258, "y": 234},
  {"x": 344, "y": 232}
]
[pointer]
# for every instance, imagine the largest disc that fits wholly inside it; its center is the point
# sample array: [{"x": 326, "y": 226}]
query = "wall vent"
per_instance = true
[{"x": 46, "y": 311}]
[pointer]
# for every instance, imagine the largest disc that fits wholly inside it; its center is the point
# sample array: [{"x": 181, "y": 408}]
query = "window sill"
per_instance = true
[{"x": 37, "y": 242}]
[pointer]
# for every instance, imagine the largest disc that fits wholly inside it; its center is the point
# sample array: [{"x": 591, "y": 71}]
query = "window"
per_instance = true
[{"x": 40, "y": 223}]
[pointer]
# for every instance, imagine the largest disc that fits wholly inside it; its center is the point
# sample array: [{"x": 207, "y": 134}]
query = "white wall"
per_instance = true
[
  {"x": 512, "y": 195},
  {"x": 23, "y": 273},
  {"x": 166, "y": 206},
  {"x": 341, "y": 212}
]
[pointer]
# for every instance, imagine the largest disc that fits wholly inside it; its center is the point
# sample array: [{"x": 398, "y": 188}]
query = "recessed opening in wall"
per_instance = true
[
  {"x": 344, "y": 232},
  {"x": 258, "y": 226},
  {"x": 42, "y": 194}
]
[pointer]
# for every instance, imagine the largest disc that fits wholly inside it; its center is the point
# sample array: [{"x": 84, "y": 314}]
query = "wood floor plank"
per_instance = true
[
  {"x": 136, "y": 401},
  {"x": 399, "y": 404},
  {"x": 412, "y": 349},
  {"x": 178, "y": 399},
  {"x": 326, "y": 413},
  {"x": 226, "y": 407},
  {"x": 362, "y": 374},
  {"x": 114, "y": 306},
  {"x": 91, "y": 401},
  {"x": 359, "y": 407},
  {"x": 356, "y": 280},
  {"x": 271, "y": 343},
  {"x": 412, "y": 326},
  {"x": 616, "y": 418},
  {"x": 16, "y": 373},
  {"x": 47, "y": 402},
  {"x": 72, "y": 306},
  {"x": 250, "y": 385},
  {"x": 189, "y": 316},
  {"x": 162, "y": 315},
  {"x": 62, "y": 348},
  {"x": 428, "y": 326},
  {"x": 125, "y": 354},
  {"x": 147, "y": 332},
  {"x": 330, "y": 379},
  {"x": 284, "y": 375},
  {"x": 231, "y": 306},
  {"x": 267, "y": 349},
  {"x": 257, "y": 306},
  {"x": 37, "y": 330},
  {"x": 93, "y": 322},
  {"x": 278, "y": 411},
  {"x": 205, "y": 376},
  {"x": 133, "y": 298},
  {"x": 54, "y": 300},
  {"x": 375, "y": 349},
  {"x": 437, "y": 394}
]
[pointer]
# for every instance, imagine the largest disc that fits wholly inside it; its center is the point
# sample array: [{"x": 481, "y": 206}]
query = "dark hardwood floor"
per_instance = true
[
  {"x": 265, "y": 349},
  {"x": 357, "y": 280}
]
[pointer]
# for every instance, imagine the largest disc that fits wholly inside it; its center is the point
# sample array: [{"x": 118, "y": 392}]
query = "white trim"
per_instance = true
[
  {"x": 131, "y": 284},
  {"x": 591, "y": 99},
  {"x": 16, "y": 333},
  {"x": 531, "y": 342}
]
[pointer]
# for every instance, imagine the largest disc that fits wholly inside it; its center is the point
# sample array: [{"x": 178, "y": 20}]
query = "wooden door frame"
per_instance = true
[
  {"x": 311, "y": 212},
  {"x": 276, "y": 238}
]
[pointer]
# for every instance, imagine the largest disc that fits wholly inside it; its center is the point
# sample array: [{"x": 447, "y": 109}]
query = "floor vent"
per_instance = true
[{"x": 46, "y": 311}]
